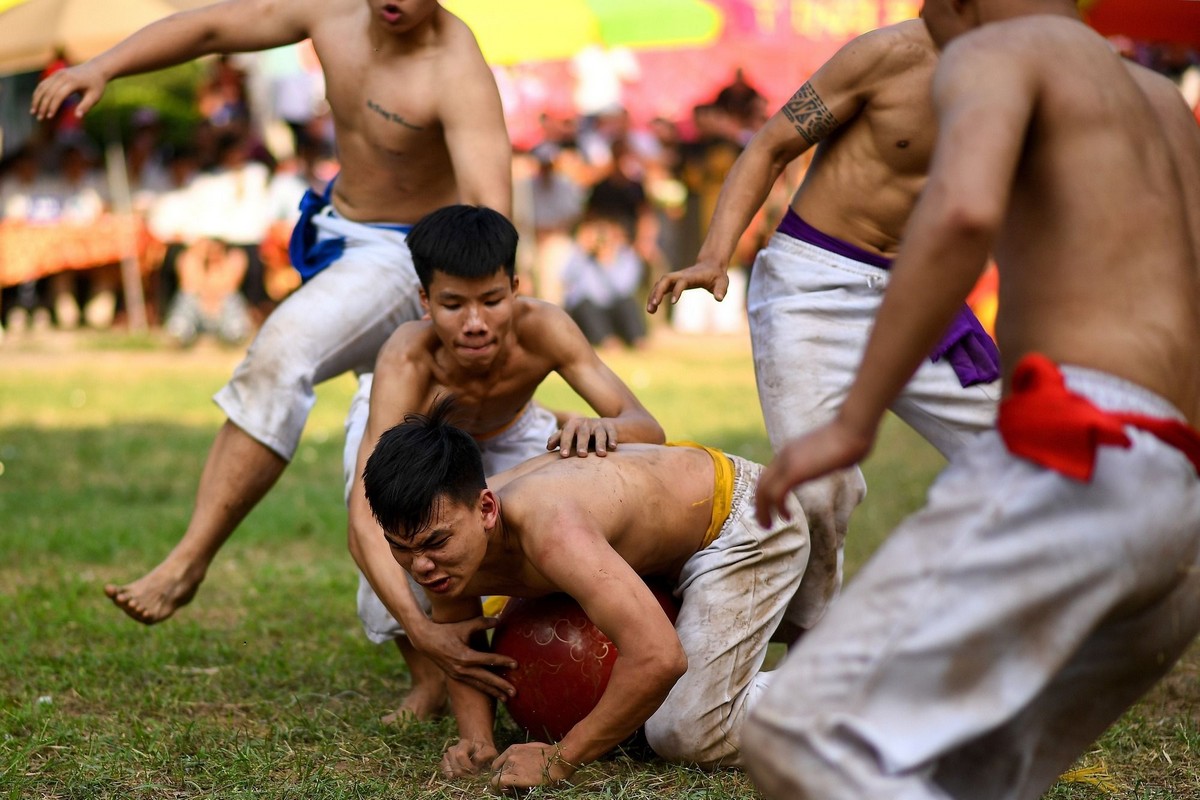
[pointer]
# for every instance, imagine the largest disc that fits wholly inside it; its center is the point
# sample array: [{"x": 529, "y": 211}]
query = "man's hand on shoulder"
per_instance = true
[{"x": 579, "y": 434}]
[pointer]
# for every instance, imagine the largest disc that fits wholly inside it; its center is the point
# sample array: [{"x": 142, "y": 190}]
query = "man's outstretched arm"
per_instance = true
[
  {"x": 833, "y": 95},
  {"x": 230, "y": 27}
]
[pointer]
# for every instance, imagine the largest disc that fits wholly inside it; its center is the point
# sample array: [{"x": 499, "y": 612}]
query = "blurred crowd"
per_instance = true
[{"x": 604, "y": 206}]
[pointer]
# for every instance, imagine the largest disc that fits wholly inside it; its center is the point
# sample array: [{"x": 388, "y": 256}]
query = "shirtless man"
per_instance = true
[
  {"x": 594, "y": 529},
  {"x": 406, "y": 146},
  {"x": 816, "y": 287},
  {"x": 490, "y": 349},
  {"x": 1054, "y": 574}
]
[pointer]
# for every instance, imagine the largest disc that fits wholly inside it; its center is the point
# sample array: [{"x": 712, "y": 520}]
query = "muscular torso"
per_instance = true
[
  {"x": 395, "y": 166},
  {"x": 865, "y": 178},
  {"x": 1097, "y": 224},
  {"x": 653, "y": 505}
]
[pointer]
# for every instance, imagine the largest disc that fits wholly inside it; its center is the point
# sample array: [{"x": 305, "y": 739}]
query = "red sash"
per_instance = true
[{"x": 1046, "y": 423}]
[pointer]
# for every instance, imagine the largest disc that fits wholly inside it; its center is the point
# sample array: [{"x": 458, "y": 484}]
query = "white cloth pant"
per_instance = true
[
  {"x": 734, "y": 594},
  {"x": 335, "y": 322},
  {"x": 811, "y": 312},
  {"x": 998, "y": 631},
  {"x": 525, "y": 438}
]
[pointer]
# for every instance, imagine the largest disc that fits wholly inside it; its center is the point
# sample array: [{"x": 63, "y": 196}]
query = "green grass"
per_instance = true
[{"x": 264, "y": 687}]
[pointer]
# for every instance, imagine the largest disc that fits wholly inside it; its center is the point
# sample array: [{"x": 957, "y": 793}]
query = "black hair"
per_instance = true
[
  {"x": 463, "y": 242},
  {"x": 418, "y": 464}
]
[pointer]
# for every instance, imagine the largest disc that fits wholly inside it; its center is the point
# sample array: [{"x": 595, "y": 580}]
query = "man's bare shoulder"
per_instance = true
[
  {"x": 458, "y": 42},
  {"x": 544, "y": 328},
  {"x": 1164, "y": 95},
  {"x": 327, "y": 14},
  {"x": 876, "y": 60},
  {"x": 1038, "y": 41},
  {"x": 410, "y": 344},
  {"x": 895, "y": 48},
  {"x": 524, "y": 490}
]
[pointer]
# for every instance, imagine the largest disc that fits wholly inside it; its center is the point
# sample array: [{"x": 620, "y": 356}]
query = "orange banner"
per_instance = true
[{"x": 28, "y": 252}]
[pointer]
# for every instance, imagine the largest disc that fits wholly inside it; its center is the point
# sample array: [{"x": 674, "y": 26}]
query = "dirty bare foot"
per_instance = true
[
  {"x": 427, "y": 698},
  {"x": 422, "y": 704},
  {"x": 156, "y": 595}
]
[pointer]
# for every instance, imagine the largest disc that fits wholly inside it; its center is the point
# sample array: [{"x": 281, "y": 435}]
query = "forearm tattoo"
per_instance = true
[
  {"x": 391, "y": 116},
  {"x": 809, "y": 115}
]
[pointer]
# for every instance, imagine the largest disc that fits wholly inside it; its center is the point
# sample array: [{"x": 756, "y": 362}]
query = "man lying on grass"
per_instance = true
[{"x": 595, "y": 529}]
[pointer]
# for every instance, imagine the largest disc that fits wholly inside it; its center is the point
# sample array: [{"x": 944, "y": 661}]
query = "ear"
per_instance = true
[
  {"x": 516, "y": 283},
  {"x": 489, "y": 509},
  {"x": 424, "y": 299}
]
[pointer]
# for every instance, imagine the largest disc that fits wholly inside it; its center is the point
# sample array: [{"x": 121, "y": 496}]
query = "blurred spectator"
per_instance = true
[
  {"x": 600, "y": 75},
  {"x": 297, "y": 97},
  {"x": 146, "y": 160},
  {"x": 601, "y": 279},
  {"x": 610, "y": 126},
  {"x": 82, "y": 195},
  {"x": 26, "y": 196},
  {"x": 621, "y": 197},
  {"x": 172, "y": 221},
  {"x": 555, "y": 203},
  {"x": 221, "y": 97},
  {"x": 744, "y": 104},
  {"x": 208, "y": 300},
  {"x": 706, "y": 160},
  {"x": 289, "y": 180},
  {"x": 26, "y": 193},
  {"x": 235, "y": 207}
]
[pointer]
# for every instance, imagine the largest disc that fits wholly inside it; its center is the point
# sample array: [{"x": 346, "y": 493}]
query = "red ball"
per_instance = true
[{"x": 563, "y": 661}]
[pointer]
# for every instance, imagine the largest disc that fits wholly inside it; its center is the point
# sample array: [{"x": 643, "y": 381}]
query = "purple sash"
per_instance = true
[{"x": 966, "y": 345}]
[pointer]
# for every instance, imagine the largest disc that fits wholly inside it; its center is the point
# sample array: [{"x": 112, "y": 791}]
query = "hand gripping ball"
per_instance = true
[{"x": 563, "y": 661}]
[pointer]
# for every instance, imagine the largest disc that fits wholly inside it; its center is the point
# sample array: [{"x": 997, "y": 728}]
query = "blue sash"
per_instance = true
[{"x": 308, "y": 255}]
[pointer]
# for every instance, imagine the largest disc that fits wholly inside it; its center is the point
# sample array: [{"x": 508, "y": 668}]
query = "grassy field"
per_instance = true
[{"x": 265, "y": 687}]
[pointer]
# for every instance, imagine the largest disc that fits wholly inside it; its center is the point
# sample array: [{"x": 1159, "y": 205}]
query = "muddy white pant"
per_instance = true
[
  {"x": 998, "y": 631},
  {"x": 522, "y": 440},
  {"x": 334, "y": 323},
  {"x": 811, "y": 312},
  {"x": 734, "y": 594}
]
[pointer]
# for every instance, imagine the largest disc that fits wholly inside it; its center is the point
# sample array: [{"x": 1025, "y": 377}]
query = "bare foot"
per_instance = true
[
  {"x": 156, "y": 595},
  {"x": 423, "y": 703}
]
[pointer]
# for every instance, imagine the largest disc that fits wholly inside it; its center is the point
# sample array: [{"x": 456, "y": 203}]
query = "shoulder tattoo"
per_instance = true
[
  {"x": 809, "y": 115},
  {"x": 391, "y": 116}
]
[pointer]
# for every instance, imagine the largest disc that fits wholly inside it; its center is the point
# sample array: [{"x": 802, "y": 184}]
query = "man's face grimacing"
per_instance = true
[
  {"x": 471, "y": 316},
  {"x": 446, "y": 553}
]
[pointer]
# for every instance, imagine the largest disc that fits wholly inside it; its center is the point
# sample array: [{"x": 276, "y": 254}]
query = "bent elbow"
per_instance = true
[
  {"x": 672, "y": 665},
  {"x": 973, "y": 223},
  {"x": 973, "y": 217}
]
